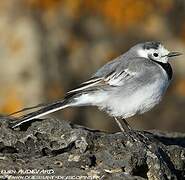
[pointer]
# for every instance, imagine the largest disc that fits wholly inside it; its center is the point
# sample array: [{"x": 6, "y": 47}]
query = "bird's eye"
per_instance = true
[{"x": 155, "y": 54}]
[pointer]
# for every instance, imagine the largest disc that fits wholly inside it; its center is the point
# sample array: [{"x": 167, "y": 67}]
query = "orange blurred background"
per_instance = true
[{"x": 48, "y": 47}]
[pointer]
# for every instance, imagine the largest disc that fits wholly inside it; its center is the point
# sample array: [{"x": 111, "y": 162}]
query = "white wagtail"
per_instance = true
[{"x": 133, "y": 83}]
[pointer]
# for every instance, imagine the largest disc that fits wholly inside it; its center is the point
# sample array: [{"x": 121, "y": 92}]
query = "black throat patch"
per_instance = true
[{"x": 167, "y": 67}]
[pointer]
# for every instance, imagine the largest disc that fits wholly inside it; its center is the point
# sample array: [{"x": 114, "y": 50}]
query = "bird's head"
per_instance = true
[{"x": 154, "y": 51}]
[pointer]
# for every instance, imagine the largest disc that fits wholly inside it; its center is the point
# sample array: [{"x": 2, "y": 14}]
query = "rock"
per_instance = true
[{"x": 54, "y": 147}]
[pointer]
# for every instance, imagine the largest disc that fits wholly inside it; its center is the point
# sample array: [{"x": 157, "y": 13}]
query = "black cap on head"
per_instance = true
[{"x": 151, "y": 45}]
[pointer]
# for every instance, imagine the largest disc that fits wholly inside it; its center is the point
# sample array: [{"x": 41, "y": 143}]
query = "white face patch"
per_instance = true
[
  {"x": 143, "y": 53},
  {"x": 150, "y": 53}
]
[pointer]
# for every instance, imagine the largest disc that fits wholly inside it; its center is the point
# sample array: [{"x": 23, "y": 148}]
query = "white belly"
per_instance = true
[
  {"x": 122, "y": 105},
  {"x": 139, "y": 101}
]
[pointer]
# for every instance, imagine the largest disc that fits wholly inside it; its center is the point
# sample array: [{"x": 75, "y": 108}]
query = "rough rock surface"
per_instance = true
[{"x": 53, "y": 147}]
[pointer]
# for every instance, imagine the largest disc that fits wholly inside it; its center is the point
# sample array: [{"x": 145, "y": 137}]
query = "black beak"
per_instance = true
[{"x": 172, "y": 54}]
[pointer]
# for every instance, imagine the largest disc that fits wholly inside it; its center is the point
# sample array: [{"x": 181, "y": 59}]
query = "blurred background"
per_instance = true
[{"x": 48, "y": 47}]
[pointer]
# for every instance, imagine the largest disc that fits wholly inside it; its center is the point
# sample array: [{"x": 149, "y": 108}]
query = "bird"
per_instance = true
[{"x": 130, "y": 84}]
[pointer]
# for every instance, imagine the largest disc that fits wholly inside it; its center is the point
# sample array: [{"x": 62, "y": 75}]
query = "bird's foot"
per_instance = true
[
  {"x": 133, "y": 135},
  {"x": 136, "y": 136}
]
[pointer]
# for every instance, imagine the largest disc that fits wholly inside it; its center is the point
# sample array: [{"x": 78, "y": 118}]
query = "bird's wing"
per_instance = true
[
  {"x": 114, "y": 74},
  {"x": 114, "y": 78}
]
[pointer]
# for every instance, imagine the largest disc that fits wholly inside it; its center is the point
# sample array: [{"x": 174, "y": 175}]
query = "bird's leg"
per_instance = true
[
  {"x": 124, "y": 126},
  {"x": 119, "y": 124},
  {"x": 129, "y": 131},
  {"x": 137, "y": 136},
  {"x": 134, "y": 135}
]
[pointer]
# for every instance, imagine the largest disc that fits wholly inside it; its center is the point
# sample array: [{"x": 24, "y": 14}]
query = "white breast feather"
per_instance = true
[{"x": 139, "y": 102}]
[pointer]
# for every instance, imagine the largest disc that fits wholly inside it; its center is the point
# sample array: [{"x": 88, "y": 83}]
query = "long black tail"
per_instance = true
[
  {"x": 29, "y": 108},
  {"x": 69, "y": 100},
  {"x": 47, "y": 109}
]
